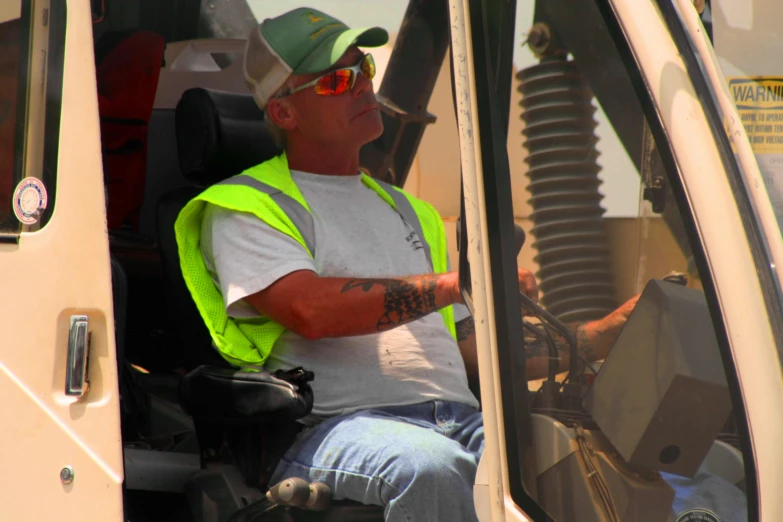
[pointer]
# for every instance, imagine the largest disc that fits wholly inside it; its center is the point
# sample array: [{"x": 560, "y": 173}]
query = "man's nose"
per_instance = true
[{"x": 362, "y": 85}]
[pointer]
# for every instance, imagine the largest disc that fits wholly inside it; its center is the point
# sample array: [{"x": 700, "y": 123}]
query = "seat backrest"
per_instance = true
[{"x": 218, "y": 135}]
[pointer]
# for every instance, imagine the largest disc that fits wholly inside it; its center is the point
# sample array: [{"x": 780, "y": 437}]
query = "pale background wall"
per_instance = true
[{"x": 10, "y": 9}]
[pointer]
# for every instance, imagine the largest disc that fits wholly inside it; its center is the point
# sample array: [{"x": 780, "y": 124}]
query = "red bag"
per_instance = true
[
  {"x": 9, "y": 78},
  {"x": 127, "y": 81}
]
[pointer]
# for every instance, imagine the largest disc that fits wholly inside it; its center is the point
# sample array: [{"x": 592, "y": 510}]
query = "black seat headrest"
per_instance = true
[{"x": 220, "y": 134}]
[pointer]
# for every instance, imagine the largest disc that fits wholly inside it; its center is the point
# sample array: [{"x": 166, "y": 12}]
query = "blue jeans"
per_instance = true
[{"x": 420, "y": 463}]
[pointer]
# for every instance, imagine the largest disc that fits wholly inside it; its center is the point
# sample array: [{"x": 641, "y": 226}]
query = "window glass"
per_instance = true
[
  {"x": 31, "y": 50},
  {"x": 747, "y": 45},
  {"x": 643, "y": 426},
  {"x": 13, "y": 52},
  {"x": 647, "y": 425}
]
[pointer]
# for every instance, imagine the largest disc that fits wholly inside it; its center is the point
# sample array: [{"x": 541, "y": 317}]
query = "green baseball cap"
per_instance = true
[{"x": 302, "y": 41}]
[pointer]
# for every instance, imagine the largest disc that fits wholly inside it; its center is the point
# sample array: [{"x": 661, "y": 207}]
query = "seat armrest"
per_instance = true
[{"x": 237, "y": 397}]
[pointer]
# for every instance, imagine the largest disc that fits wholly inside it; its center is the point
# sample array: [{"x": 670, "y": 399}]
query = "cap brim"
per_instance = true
[{"x": 333, "y": 48}]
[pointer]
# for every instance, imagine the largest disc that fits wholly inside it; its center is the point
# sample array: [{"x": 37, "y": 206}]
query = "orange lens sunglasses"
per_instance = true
[{"x": 342, "y": 80}]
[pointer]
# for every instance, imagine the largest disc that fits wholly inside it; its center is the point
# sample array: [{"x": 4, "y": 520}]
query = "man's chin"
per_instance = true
[{"x": 373, "y": 131}]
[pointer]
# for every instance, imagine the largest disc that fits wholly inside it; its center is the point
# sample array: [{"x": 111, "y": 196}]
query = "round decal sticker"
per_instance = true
[
  {"x": 29, "y": 200},
  {"x": 698, "y": 515}
]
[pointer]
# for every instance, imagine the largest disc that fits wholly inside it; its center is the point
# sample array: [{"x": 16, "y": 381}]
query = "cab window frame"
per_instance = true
[
  {"x": 769, "y": 283},
  {"x": 54, "y": 99},
  {"x": 514, "y": 389}
]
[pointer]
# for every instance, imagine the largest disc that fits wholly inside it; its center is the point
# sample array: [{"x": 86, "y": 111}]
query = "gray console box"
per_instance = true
[{"x": 661, "y": 396}]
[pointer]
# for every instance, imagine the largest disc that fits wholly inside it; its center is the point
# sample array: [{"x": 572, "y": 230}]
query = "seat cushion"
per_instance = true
[{"x": 230, "y": 396}]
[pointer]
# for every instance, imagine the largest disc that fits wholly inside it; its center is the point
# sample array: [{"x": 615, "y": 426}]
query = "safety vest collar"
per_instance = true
[
  {"x": 275, "y": 173},
  {"x": 290, "y": 202},
  {"x": 274, "y": 179}
]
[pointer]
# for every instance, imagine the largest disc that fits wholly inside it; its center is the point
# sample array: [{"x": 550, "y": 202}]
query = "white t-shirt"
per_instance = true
[{"x": 357, "y": 235}]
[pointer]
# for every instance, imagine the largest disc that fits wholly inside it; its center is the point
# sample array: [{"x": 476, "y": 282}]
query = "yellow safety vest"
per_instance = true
[{"x": 268, "y": 191}]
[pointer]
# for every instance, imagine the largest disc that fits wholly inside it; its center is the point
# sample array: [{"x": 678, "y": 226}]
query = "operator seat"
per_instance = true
[{"x": 218, "y": 135}]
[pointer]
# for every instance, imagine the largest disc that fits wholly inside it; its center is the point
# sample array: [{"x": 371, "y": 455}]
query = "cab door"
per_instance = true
[{"x": 60, "y": 442}]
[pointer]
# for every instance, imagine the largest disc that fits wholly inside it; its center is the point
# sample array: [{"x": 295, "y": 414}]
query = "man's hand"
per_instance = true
[
  {"x": 525, "y": 278},
  {"x": 466, "y": 329},
  {"x": 528, "y": 284},
  {"x": 614, "y": 322},
  {"x": 596, "y": 338}
]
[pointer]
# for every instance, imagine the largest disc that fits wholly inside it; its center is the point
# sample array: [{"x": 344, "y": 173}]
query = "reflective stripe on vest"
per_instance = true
[
  {"x": 405, "y": 209},
  {"x": 299, "y": 216}
]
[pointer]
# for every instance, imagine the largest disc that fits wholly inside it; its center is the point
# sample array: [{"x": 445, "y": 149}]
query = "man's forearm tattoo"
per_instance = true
[
  {"x": 535, "y": 348},
  {"x": 540, "y": 348},
  {"x": 403, "y": 300},
  {"x": 583, "y": 344},
  {"x": 465, "y": 329}
]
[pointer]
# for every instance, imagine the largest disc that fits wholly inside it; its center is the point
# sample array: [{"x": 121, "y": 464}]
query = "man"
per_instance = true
[{"x": 304, "y": 261}]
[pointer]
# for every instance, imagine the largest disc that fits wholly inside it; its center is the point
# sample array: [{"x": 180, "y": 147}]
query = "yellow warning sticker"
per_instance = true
[{"x": 759, "y": 102}]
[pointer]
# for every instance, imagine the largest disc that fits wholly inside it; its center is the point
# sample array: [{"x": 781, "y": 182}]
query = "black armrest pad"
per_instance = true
[{"x": 229, "y": 396}]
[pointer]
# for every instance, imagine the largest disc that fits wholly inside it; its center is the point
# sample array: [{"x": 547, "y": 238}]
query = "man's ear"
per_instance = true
[{"x": 280, "y": 113}]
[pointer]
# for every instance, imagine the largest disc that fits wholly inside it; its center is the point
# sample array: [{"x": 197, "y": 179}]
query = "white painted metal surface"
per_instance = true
[
  {"x": 58, "y": 271},
  {"x": 722, "y": 235},
  {"x": 501, "y": 506}
]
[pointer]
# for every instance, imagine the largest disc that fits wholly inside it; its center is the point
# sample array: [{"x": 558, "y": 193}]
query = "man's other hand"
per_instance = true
[
  {"x": 528, "y": 284},
  {"x": 617, "y": 319},
  {"x": 596, "y": 338},
  {"x": 526, "y": 279}
]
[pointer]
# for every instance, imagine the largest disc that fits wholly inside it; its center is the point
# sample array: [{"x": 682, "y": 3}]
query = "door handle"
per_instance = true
[{"x": 77, "y": 382}]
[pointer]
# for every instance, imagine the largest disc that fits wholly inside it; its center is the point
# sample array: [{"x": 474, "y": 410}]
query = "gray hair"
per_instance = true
[{"x": 278, "y": 134}]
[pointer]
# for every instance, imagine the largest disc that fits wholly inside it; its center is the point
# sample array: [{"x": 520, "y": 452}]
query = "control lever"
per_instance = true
[
  {"x": 519, "y": 236},
  {"x": 678, "y": 278},
  {"x": 292, "y": 492},
  {"x": 295, "y": 492},
  {"x": 464, "y": 265},
  {"x": 320, "y": 497},
  {"x": 519, "y": 239},
  {"x": 538, "y": 311}
]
